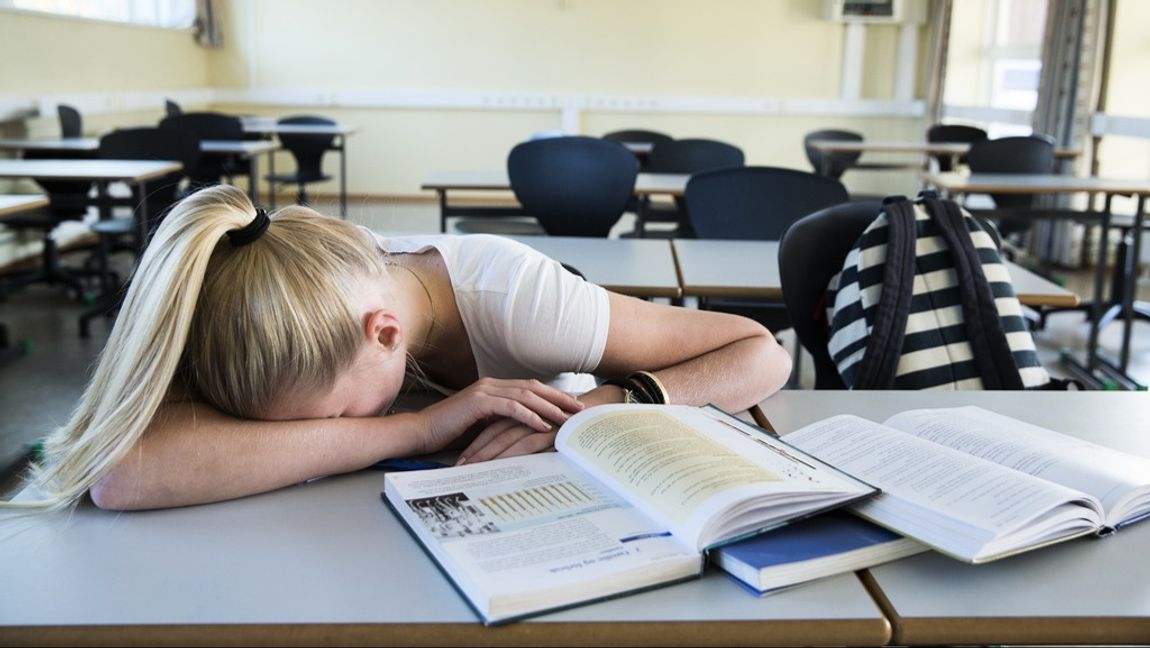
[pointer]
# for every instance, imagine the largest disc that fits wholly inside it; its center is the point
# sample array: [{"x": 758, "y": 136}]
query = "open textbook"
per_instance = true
[
  {"x": 633, "y": 498},
  {"x": 979, "y": 486}
]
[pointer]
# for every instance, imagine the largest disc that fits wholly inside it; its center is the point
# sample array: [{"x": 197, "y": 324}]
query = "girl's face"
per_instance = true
[{"x": 367, "y": 388}]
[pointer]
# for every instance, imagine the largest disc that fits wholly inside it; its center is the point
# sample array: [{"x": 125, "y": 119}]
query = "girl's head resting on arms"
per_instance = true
[{"x": 280, "y": 327}]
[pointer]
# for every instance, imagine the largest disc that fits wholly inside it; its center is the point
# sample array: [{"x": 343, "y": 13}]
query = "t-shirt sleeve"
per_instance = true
[{"x": 554, "y": 321}]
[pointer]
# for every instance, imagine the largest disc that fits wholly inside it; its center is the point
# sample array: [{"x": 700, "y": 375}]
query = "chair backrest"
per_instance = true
[
  {"x": 307, "y": 148},
  {"x": 953, "y": 133},
  {"x": 172, "y": 108},
  {"x": 812, "y": 251},
  {"x": 155, "y": 144},
  {"x": 831, "y": 163},
  {"x": 756, "y": 202},
  {"x": 693, "y": 155},
  {"x": 1029, "y": 154},
  {"x": 71, "y": 125},
  {"x": 207, "y": 126},
  {"x": 574, "y": 186},
  {"x": 637, "y": 135}
]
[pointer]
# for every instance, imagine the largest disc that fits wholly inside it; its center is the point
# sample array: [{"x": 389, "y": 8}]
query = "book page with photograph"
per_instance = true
[
  {"x": 1120, "y": 481},
  {"x": 533, "y": 533},
  {"x": 972, "y": 509},
  {"x": 707, "y": 475}
]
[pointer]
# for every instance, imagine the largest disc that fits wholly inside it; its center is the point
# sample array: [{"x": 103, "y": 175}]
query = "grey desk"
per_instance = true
[
  {"x": 916, "y": 147},
  {"x": 1087, "y": 591},
  {"x": 270, "y": 126},
  {"x": 327, "y": 563},
  {"x": 958, "y": 183},
  {"x": 750, "y": 270},
  {"x": 247, "y": 149},
  {"x": 443, "y": 182},
  {"x": 637, "y": 267}
]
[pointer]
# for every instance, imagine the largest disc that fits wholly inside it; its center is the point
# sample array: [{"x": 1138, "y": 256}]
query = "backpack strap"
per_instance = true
[
  {"x": 992, "y": 354},
  {"x": 879, "y": 365}
]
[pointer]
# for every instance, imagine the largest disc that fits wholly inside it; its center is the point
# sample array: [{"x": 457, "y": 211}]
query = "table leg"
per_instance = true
[
  {"x": 641, "y": 217},
  {"x": 254, "y": 179},
  {"x": 342, "y": 178},
  {"x": 442, "y": 193},
  {"x": 271, "y": 183},
  {"x": 1131, "y": 284},
  {"x": 1099, "y": 285}
]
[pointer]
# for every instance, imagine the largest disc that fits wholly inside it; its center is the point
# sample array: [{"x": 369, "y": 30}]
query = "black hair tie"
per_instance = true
[{"x": 252, "y": 230}]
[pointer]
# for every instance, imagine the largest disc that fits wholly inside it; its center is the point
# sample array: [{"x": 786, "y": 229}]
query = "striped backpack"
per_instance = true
[{"x": 924, "y": 302}]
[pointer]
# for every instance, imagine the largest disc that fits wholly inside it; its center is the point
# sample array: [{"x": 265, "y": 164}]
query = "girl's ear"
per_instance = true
[{"x": 382, "y": 327}]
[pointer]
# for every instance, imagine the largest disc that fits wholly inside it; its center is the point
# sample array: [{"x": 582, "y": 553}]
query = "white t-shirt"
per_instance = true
[{"x": 526, "y": 316}]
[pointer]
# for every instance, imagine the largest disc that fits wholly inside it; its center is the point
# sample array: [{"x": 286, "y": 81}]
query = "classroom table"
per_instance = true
[
  {"x": 247, "y": 149},
  {"x": 959, "y": 183},
  {"x": 750, "y": 270},
  {"x": 1086, "y": 591},
  {"x": 917, "y": 147},
  {"x": 637, "y": 267},
  {"x": 269, "y": 126},
  {"x": 327, "y": 563},
  {"x": 443, "y": 182},
  {"x": 14, "y": 204}
]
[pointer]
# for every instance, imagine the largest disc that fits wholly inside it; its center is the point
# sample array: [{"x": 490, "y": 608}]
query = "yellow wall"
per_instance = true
[
  {"x": 719, "y": 49},
  {"x": 1128, "y": 96}
]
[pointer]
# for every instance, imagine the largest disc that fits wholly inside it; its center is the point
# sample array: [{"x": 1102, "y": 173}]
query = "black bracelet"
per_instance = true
[{"x": 641, "y": 387}]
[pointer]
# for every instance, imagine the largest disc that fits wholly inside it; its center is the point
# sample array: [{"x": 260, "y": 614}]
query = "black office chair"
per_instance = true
[
  {"x": 71, "y": 124},
  {"x": 211, "y": 169},
  {"x": 172, "y": 108},
  {"x": 953, "y": 133},
  {"x": 1013, "y": 213},
  {"x": 132, "y": 233},
  {"x": 574, "y": 186},
  {"x": 640, "y": 136},
  {"x": 811, "y": 252},
  {"x": 308, "y": 150},
  {"x": 756, "y": 203},
  {"x": 684, "y": 156},
  {"x": 834, "y": 164}
]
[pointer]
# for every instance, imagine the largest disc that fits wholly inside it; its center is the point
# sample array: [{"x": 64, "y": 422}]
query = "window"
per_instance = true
[{"x": 173, "y": 14}]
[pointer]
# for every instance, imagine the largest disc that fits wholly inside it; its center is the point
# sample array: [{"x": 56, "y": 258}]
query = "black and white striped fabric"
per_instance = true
[{"x": 936, "y": 352}]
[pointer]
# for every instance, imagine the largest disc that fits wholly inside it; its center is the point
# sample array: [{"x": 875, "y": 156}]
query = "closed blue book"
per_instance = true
[{"x": 817, "y": 547}]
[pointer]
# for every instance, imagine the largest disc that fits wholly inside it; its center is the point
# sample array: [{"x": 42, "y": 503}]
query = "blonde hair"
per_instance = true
[{"x": 241, "y": 325}]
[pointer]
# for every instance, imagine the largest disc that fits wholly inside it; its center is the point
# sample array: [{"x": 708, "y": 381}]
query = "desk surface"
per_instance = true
[
  {"x": 216, "y": 147},
  {"x": 1034, "y": 183},
  {"x": 1091, "y": 591},
  {"x": 638, "y": 267},
  {"x": 909, "y": 146},
  {"x": 95, "y": 170},
  {"x": 670, "y": 184},
  {"x": 15, "y": 203},
  {"x": 750, "y": 269},
  {"x": 270, "y": 125},
  {"x": 327, "y": 562}
]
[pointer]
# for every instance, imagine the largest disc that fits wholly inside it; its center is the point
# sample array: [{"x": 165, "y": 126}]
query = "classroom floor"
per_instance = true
[{"x": 39, "y": 388}]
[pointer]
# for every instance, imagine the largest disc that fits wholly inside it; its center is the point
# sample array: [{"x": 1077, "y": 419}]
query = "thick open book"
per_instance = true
[
  {"x": 818, "y": 547},
  {"x": 632, "y": 499},
  {"x": 979, "y": 486}
]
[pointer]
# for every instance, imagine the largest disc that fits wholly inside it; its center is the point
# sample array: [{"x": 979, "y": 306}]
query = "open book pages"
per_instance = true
[
  {"x": 977, "y": 485},
  {"x": 708, "y": 476},
  {"x": 629, "y": 500}
]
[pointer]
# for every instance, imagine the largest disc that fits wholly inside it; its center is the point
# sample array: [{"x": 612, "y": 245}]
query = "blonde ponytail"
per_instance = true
[{"x": 239, "y": 324}]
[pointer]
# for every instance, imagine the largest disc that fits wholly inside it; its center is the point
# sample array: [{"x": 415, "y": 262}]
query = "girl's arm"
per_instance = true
[
  {"x": 700, "y": 357},
  {"x": 193, "y": 454}
]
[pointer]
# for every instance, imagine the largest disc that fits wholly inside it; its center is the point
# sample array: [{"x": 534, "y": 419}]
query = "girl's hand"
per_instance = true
[
  {"x": 529, "y": 403},
  {"x": 507, "y": 438}
]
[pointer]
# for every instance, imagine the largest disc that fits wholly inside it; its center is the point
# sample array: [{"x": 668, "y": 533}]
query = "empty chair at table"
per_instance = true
[
  {"x": 756, "y": 203},
  {"x": 211, "y": 169},
  {"x": 1013, "y": 213},
  {"x": 953, "y": 133},
  {"x": 71, "y": 123},
  {"x": 574, "y": 186},
  {"x": 685, "y": 156},
  {"x": 639, "y": 136},
  {"x": 308, "y": 150}
]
